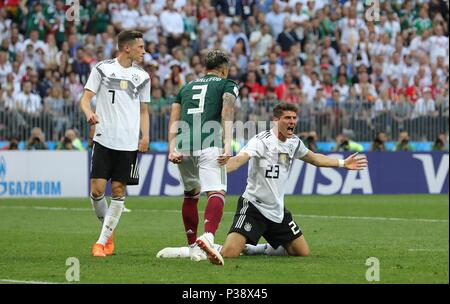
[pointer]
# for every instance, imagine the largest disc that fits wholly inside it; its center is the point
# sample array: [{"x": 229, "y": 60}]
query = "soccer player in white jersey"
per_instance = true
[
  {"x": 260, "y": 210},
  {"x": 122, "y": 90}
]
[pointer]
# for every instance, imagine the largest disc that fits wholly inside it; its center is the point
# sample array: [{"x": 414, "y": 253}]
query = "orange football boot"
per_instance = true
[
  {"x": 109, "y": 246},
  {"x": 98, "y": 250}
]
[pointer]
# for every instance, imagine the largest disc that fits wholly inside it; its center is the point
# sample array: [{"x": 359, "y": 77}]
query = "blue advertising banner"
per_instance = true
[{"x": 388, "y": 173}]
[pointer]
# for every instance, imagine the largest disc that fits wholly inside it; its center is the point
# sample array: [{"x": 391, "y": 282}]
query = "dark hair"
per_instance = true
[
  {"x": 125, "y": 37},
  {"x": 216, "y": 58},
  {"x": 439, "y": 141},
  {"x": 67, "y": 140},
  {"x": 282, "y": 107}
]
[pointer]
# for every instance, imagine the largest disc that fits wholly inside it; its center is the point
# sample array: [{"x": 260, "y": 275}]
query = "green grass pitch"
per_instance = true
[{"x": 408, "y": 234}]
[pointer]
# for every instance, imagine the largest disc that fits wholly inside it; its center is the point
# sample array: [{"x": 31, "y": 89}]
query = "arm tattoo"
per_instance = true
[{"x": 228, "y": 100}]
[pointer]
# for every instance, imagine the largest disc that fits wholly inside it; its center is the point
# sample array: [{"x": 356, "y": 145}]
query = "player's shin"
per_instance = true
[
  {"x": 100, "y": 206},
  {"x": 111, "y": 219},
  {"x": 213, "y": 213},
  {"x": 190, "y": 217}
]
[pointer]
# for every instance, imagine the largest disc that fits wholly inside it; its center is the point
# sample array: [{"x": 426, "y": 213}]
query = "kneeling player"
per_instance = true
[{"x": 260, "y": 210}]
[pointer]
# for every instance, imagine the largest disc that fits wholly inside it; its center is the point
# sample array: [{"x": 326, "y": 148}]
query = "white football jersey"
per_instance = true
[
  {"x": 268, "y": 170},
  {"x": 119, "y": 92}
]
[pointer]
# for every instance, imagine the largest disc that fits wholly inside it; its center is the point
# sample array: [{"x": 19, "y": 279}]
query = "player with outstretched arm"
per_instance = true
[
  {"x": 122, "y": 90},
  {"x": 260, "y": 210}
]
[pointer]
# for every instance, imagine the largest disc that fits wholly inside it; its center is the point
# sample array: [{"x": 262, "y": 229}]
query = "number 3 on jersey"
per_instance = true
[{"x": 200, "y": 97}]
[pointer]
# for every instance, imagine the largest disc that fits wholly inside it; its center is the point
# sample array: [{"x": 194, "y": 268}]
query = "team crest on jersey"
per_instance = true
[
  {"x": 135, "y": 78},
  {"x": 291, "y": 148},
  {"x": 124, "y": 84},
  {"x": 247, "y": 227},
  {"x": 283, "y": 158}
]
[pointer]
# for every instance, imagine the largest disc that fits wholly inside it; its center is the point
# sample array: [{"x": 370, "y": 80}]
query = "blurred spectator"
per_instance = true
[
  {"x": 55, "y": 108},
  {"x": 80, "y": 66},
  {"x": 128, "y": 17},
  {"x": 403, "y": 143},
  {"x": 208, "y": 27},
  {"x": 159, "y": 114},
  {"x": 176, "y": 76},
  {"x": 5, "y": 66},
  {"x": 65, "y": 144},
  {"x": 345, "y": 143},
  {"x": 50, "y": 51},
  {"x": 401, "y": 113},
  {"x": 440, "y": 143},
  {"x": 275, "y": 19},
  {"x": 288, "y": 37},
  {"x": 261, "y": 42},
  {"x": 342, "y": 144},
  {"x": 310, "y": 141},
  {"x": 36, "y": 140},
  {"x": 244, "y": 104},
  {"x": 100, "y": 18},
  {"x": 439, "y": 43},
  {"x": 436, "y": 7},
  {"x": 343, "y": 88},
  {"x": 12, "y": 145},
  {"x": 310, "y": 88},
  {"x": 75, "y": 142},
  {"x": 378, "y": 143},
  {"x": 230, "y": 39},
  {"x": 172, "y": 24},
  {"x": 148, "y": 23},
  {"x": 382, "y": 112},
  {"x": 28, "y": 103},
  {"x": 425, "y": 106},
  {"x": 37, "y": 21},
  {"x": 423, "y": 22}
]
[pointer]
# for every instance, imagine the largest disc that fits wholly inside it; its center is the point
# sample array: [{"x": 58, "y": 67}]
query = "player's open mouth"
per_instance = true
[{"x": 290, "y": 129}]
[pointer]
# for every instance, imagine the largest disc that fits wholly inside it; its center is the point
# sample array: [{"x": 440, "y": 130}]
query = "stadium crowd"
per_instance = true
[{"x": 345, "y": 70}]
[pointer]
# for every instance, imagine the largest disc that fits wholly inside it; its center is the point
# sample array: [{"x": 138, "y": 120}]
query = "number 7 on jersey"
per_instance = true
[{"x": 200, "y": 97}]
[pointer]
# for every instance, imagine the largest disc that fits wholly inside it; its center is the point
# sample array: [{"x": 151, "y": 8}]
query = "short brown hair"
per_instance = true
[
  {"x": 125, "y": 37},
  {"x": 216, "y": 58},
  {"x": 282, "y": 107}
]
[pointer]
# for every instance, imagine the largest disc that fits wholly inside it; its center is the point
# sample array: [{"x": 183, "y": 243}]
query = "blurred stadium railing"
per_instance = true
[{"x": 328, "y": 122}]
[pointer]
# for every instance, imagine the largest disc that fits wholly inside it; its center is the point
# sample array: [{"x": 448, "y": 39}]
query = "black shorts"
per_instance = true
[
  {"x": 249, "y": 222},
  {"x": 121, "y": 166}
]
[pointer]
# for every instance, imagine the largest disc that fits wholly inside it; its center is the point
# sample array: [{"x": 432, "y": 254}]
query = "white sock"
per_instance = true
[
  {"x": 111, "y": 219},
  {"x": 265, "y": 249},
  {"x": 210, "y": 237},
  {"x": 259, "y": 249},
  {"x": 280, "y": 251},
  {"x": 218, "y": 247},
  {"x": 184, "y": 252},
  {"x": 100, "y": 206}
]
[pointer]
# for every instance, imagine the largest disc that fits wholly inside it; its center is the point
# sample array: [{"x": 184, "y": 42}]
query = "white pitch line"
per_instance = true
[
  {"x": 372, "y": 218},
  {"x": 25, "y": 282},
  {"x": 337, "y": 217},
  {"x": 426, "y": 250}
]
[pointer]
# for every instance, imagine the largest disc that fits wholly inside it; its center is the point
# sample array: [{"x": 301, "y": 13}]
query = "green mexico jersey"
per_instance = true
[{"x": 201, "y": 112}]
